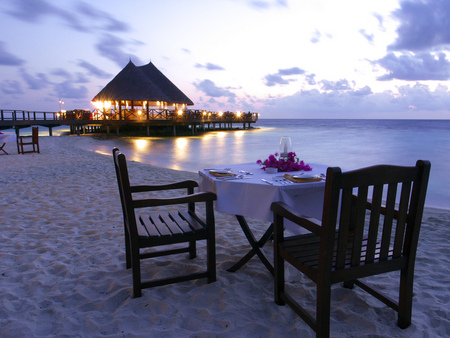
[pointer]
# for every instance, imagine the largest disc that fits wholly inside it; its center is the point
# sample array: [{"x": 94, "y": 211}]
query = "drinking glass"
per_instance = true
[{"x": 285, "y": 147}]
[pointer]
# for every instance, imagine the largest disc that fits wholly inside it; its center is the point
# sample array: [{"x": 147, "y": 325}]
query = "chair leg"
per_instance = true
[
  {"x": 405, "y": 298},
  {"x": 323, "y": 310},
  {"x": 136, "y": 269},
  {"x": 192, "y": 249},
  {"x": 211, "y": 256},
  {"x": 127, "y": 250},
  {"x": 278, "y": 277}
]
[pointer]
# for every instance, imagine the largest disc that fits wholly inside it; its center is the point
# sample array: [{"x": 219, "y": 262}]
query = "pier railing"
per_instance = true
[{"x": 193, "y": 116}]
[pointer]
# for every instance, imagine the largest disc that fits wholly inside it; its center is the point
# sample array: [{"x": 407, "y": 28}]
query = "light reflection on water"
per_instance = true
[{"x": 349, "y": 144}]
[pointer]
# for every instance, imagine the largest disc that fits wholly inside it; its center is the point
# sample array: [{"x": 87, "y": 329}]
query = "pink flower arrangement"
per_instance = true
[{"x": 292, "y": 163}]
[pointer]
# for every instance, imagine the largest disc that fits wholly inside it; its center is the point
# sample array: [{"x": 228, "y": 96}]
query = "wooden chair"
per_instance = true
[
  {"x": 30, "y": 140},
  {"x": 155, "y": 228},
  {"x": 358, "y": 237}
]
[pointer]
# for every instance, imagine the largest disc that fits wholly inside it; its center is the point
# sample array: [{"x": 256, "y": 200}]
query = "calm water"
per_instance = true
[{"x": 349, "y": 144}]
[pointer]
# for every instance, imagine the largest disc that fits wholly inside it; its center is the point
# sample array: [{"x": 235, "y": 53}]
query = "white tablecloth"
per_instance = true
[
  {"x": 4, "y": 138},
  {"x": 251, "y": 197}
]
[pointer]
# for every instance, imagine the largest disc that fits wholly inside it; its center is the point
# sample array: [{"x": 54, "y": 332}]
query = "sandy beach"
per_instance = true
[{"x": 62, "y": 265}]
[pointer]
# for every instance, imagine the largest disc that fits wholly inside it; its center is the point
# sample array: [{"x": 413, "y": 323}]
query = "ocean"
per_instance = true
[{"x": 349, "y": 144}]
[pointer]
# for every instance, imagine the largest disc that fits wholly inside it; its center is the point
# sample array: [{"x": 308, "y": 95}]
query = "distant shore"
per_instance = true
[{"x": 62, "y": 265}]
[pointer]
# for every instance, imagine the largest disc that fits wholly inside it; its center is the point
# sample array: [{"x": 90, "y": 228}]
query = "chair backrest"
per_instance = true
[
  {"x": 123, "y": 181},
  {"x": 372, "y": 216},
  {"x": 35, "y": 134}
]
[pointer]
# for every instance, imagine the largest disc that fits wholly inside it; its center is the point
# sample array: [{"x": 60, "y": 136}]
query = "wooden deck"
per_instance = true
[{"x": 81, "y": 121}]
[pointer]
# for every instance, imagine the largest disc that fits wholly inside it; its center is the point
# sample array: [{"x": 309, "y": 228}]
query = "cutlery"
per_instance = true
[
  {"x": 268, "y": 182},
  {"x": 245, "y": 172}
]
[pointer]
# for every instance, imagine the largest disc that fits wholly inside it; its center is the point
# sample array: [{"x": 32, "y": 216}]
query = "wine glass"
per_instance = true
[{"x": 285, "y": 147}]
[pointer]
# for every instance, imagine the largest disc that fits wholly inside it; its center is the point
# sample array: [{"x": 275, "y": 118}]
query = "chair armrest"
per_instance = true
[
  {"x": 194, "y": 198},
  {"x": 168, "y": 186},
  {"x": 309, "y": 223}
]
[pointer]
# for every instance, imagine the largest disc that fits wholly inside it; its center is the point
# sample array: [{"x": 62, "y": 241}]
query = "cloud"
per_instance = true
[
  {"x": 359, "y": 103},
  {"x": 93, "y": 70},
  {"x": 278, "y": 79},
  {"x": 210, "y": 89},
  {"x": 8, "y": 59},
  {"x": 368, "y": 36},
  {"x": 209, "y": 66},
  {"x": 111, "y": 47},
  {"x": 84, "y": 18},
  {"x": 12, "y": 87},
  {"x": 262, "y": 5},
  {"x": 411, "y": 67},
  {"x": 310, "y": 79},
  {"x": 98, "y": 16},
  {"x": 35, "y": 82},
  {"x": 335, "y": 85},
  {"x": 69, "y": 91},
  {"x": 317, "y": 36},
  {"x": 424, "y": 25}
]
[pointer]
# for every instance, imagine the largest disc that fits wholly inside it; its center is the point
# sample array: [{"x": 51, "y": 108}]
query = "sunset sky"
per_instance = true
[{"x": 280, "y": 58}]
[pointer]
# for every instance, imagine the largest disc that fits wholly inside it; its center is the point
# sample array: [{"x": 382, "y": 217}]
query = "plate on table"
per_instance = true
[
  {"x": 305, "y": 176},
  {"x": 223, "y": 172}
]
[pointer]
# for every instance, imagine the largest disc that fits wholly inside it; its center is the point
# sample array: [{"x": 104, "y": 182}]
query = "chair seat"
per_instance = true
[
  {"x": 302, "y": 251},
  {"x": 162, "y": 225}
]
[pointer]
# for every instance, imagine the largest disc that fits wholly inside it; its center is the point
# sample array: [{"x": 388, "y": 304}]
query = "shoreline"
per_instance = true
[{"x": 62, "y": 265}]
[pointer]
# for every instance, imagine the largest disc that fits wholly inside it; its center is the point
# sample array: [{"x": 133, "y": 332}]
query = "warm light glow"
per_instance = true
[
  {"x": 204, "y": 112},
  {"x": 141, "y": 144},
  {"x": 181, "y": 143},
  {"x": 239, "y": 133},
  {"x": 220, "y": 114},
  {"x": 221, "y": 134},
  {"x": 180, "y": 112},
  {"x": 100, "y": 105},
  {"x": 139, "y": 112},
  {"x": 157, "y": 103},
  {"x": 238, "y": 113}
]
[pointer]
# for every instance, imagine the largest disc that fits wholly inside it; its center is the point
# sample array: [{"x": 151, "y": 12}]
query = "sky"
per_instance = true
[{"x": 280, "y": 58}]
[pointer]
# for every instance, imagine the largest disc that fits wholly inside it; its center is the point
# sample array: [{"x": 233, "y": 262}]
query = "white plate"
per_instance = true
[
  {"x": 307, "y": 176},
  {"x": 220, "y": 171}
]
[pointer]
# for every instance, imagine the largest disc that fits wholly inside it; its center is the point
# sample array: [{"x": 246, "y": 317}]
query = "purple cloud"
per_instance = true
[
  {"x": 209, "y": 66},
  {"x": 278, "y": 79},
  {"x": 8, "y": 59},
  {"x": 37, "y": 82},
  {"x": 410, "y": 67},
  {"x": 93, "y": 70},
  {"x": 12, "y": 88},
  {"x": 423, "y": 25},
  {"x": 210, "y": 89},
  {"x": 335, "y": 85}
]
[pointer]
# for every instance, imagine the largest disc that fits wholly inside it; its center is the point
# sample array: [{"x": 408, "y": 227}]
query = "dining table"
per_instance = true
[
  {"x": 4, "y": 138},
  {"x": 247, "y": 190}
]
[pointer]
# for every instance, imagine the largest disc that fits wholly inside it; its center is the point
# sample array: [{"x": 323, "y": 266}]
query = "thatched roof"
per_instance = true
[{"x": 144, "y": 83}]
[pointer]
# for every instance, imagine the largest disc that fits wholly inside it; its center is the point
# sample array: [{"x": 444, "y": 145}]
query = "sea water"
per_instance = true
[{"x": 349, "y": 144}]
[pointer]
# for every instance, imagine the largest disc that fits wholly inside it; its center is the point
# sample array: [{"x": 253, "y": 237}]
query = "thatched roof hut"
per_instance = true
[{"x": 142, "y": 85}]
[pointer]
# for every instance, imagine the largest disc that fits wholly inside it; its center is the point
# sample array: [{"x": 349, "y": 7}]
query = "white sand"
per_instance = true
[{"x": 62, "y": 270}]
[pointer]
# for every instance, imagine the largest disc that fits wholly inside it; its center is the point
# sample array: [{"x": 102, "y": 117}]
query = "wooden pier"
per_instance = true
[{"x": 84, "y": 121}]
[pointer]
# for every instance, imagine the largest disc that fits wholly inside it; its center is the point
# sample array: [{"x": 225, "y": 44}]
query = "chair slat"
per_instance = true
[
  {"x": 344, "y": 227},
  {"x": 374, "y": 222},
  {"x": 149, "y": 227},
  {"x": 388, "y": 221},
  {"x": 191, "y": 220},
  {"x": 173, "y": 227},
  {"x": 401, "y": 219},
  {"x": 359, "y": 223},
  {"x": 183, "y": 224},
  {"x": 159, "y": 225}
]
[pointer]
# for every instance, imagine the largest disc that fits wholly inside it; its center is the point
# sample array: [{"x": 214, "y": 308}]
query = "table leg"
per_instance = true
[
  {"x": 1, "y": 148},
  {"x": 255, "y": 246}
]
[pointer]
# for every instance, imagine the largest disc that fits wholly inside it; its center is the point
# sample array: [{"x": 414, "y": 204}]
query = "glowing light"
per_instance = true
[
  {"x": 238, "y": 113},
  {"x": 139, "y": 112},
  {"x": 239, "y": 133},
  {"x": 181, "y": 143},
  {"x": 220, "y": 114},
  {"x": 141, "y": 144},
  {"x": 180, "y": 112},
  {"x": 204, "y": 112},
  {"x": 221, "y": 134}
]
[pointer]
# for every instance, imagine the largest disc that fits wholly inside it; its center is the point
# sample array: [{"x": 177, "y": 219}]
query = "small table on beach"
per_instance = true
[
  {"x": 4, "y": 138},
  {"x": 252, "y": 197}
]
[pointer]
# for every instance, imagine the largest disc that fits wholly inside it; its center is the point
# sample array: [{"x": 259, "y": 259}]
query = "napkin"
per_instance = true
[
  {"x": 221, "y": 174},
  {"x": 302, "y": 180}
]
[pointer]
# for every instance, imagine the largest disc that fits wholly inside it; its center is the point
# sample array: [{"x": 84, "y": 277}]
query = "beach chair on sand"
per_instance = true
[
  {"x": 156, "y": 228},
  {"x": 359, "y": 236},
  {"x": 30, "y": 140}
]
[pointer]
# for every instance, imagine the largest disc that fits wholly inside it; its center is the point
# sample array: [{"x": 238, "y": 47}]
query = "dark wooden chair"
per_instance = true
[
  {"x": 370, "y": 226},
  {"x": 156, "y": 228},
  {"x": 29, "y": 140}
]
